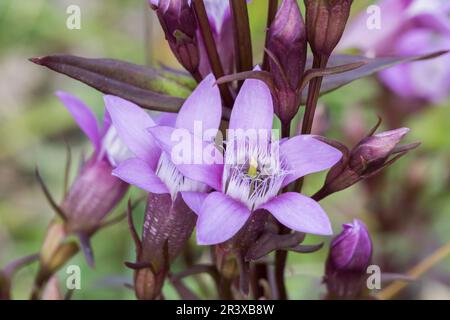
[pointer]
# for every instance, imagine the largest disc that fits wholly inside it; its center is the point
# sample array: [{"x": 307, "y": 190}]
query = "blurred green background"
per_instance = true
[{"x": 35, "y": 128}]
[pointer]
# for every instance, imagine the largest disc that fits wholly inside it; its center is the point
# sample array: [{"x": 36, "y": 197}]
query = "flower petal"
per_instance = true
[
  {"x": 217, "y": 12},
  {"x": 188, "y": 154},
  {"x": 253, "y": 107},
  {"x": 299, "y": 213},
  {"x": 83, "y": 117},
  {"x": 221, "y": 217},
  {"x": 305, "y": 155},
  {"x": 167, "y": 119},
  {"x": 203, "y": 106},
  {"x": 194, "y": 200},
  {"x": 131, "y": 123},
  {"x": 138, "y": 173}
]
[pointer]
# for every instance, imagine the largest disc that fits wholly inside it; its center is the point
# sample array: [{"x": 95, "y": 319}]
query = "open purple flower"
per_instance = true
[
  {"x": 153, "y": 168},
  {"x": 168, "y": 221},
  {"x": 254, "y": 174}
]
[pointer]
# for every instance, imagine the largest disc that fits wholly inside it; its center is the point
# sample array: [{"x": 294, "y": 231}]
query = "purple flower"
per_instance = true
[
  {"x": 153, "y": 169},
  {"x": 168, "y": 222},
  {"x": 350, "y": 255},
  {"x": 408, "y": 27},
  {"x": 95, "y": 191},
  {"x": 253, "y": 174}
]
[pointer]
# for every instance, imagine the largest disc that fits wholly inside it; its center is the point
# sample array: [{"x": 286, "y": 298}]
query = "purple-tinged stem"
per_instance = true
[
  {"x": 319, "y": 62},
  {"x": 242, "y": 36},
  {"x": 211, "y": 49},
  {"x": 281, "y": 255}
]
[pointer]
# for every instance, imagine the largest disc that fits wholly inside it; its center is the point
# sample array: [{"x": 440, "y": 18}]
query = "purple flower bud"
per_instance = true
[
  {"x": 346, "y": 267},
  {"x": 287, "y": 42},
  {"x": 92, "y": 196},
  {"x": 372, "y": 152},
  {"x": 168, "y": 224},
  {"x": 178, "y": 22},
  {"x": 288, "y": 47},
  {"x": 370, "y": 156},
  {"x": 325, "y": 24}
]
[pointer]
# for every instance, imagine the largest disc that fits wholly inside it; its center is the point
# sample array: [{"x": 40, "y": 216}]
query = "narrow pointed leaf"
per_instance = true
[
  {"x": 372, "y": 66},
  {"x": 144, "y": 86},
  {"x": 48, "y": 196}
]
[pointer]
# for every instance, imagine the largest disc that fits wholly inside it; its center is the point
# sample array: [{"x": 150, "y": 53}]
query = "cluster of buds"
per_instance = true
[
  {"x": 348, "y": 259},
  {"x": 371, "y": 155}
]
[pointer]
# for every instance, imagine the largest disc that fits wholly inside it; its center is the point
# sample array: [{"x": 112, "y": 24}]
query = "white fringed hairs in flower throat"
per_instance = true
[
  {"x": 175, "y": 180},
  {"x": 253, "y": 172}
]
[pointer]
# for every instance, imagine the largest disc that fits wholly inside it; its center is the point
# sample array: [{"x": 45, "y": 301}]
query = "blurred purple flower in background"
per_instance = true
[
  {"x": 407, "y": 28},
  {"x": 253, "y": 174}
]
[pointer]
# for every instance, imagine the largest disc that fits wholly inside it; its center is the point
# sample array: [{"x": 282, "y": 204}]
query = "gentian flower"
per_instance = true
[
  {"x": 253, "y": 175},
  {"x": 95, "y": 191},
  {"x": 350, "y": 255},
  {"x": 168, "y": 222},
  {"x": 407, "y": 28},
  {"x": 153, "y": 168}
]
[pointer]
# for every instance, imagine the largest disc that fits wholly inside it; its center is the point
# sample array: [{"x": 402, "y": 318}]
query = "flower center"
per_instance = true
[
  {"x": 254, "y": 174},
  {"x": 175, "y": 180}
]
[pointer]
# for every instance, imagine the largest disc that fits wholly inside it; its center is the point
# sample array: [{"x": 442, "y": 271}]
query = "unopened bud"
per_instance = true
[
  {"x": 346, "y": 267},
  {"x": 92, "y": 196},
  {"x": 370, "y": 156},
  {"x": 168, "y": 224},
  {"x": 372, "y": 152},
  {"x": 178, "y": 22},
  {"x": 287, "y": 47},
  {"x": 325, "y": 24}
]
